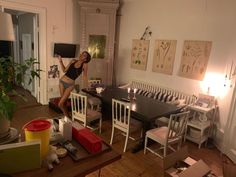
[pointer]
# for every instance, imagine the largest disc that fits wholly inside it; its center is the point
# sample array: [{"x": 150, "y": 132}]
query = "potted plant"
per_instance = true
[{"x": 12, "y": 74}]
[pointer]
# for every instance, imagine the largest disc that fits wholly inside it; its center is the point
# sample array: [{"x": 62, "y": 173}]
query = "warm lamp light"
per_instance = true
[
  {"x": 213, "y": 84},
  {"x": 6, "y": 29}
]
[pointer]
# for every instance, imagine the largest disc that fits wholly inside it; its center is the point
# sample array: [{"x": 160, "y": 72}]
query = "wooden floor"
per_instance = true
[{"x": 131, "y": 165}]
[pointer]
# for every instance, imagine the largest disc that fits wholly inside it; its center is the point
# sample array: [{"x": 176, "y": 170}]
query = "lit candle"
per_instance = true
[
  {"x": 133, "y": 107},
  {"x": 135, "y": 90},
  {"x": 129, "y": 90}
]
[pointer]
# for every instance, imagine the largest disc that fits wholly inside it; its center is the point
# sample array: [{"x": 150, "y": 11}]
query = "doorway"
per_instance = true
[
  {"x": 39, "y": 87},
  {"x": 26, "y": 44}
]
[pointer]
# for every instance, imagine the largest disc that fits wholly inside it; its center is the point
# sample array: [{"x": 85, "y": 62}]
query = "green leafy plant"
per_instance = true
[{"x": 12, "y": 74}]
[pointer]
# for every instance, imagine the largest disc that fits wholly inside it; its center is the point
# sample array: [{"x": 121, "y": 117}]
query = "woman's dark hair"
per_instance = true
[{"x": 88, "y": 57}]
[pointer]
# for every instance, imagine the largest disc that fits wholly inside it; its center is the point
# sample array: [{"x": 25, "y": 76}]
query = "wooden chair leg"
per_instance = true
[
  {"x": 99, "y": 172},
  {"x": 100, "y": 125},
  {"x": 145, "y": 144},
  {"x": 112, "y": 134},
  {"x": 165, "y": 148},
  {"x": 126, "y": 141}
]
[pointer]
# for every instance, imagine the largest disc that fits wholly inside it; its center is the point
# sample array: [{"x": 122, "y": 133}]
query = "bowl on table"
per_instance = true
[{"x": 99, "y": 90}]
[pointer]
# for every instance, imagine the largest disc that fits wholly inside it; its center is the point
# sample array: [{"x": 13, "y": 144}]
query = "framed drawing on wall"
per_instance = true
[
  {"x": 195, "y": 58},
  {"x": 97, "y": 46},
  {"x": 139, "y": 54},
  {"x": 164, "y": 56}
]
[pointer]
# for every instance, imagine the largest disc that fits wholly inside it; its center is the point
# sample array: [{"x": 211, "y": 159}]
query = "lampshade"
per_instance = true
[{"x": 6, "y": 27}]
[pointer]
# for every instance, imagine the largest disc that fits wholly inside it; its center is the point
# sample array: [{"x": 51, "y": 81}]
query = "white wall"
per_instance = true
[{"x": 208, "y": 20}]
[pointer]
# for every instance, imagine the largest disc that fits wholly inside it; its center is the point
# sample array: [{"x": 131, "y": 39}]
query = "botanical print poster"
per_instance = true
[
  {"x": 97, "y": 46},
  {"x": 139, "y": 54},
  {"x": 164, "y": 56},
  {"x": 195, "y": 58}
]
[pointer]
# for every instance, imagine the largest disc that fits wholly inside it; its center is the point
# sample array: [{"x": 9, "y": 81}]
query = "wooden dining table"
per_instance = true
[
  {"x": 144, "y": 109},
  {"x": 70, "y": 168}
]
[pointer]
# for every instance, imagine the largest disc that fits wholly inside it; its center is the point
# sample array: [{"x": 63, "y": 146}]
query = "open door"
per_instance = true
[
  {"x": 30, "y": 48},
  {"x": 27, "y": 54},
  {"x": 36, "y": 82}
]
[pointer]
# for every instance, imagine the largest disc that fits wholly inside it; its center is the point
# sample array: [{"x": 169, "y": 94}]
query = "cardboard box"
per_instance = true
[
  {"x": 193, "y": 168},
  {"x": 229, "y": 169}
]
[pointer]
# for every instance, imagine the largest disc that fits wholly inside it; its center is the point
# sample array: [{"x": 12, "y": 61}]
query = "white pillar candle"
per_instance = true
[{"x": 129, "y": 90}]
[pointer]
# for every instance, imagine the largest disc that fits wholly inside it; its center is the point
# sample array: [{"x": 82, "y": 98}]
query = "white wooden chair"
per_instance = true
[
  {"x": 122, "y": 121},
  {"x": 94, "y": 102},
  {"x": 83, "y": 114},
  {"x": 167, "y": 136}
]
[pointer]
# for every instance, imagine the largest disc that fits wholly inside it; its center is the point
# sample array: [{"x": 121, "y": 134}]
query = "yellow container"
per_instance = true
[{"x": 39, "y": 130}]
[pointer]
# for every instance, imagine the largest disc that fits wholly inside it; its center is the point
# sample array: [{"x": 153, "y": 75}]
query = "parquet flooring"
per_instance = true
[{"x": 131, "y": 164}]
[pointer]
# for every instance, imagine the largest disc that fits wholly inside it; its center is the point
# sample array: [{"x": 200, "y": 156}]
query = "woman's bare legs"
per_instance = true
[
  {"x": 65, "y": 93},
  {"x": 61, "y": 88}
]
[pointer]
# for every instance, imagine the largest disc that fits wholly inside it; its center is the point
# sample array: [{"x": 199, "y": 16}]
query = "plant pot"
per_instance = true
[{"x": 4, "y": 127}]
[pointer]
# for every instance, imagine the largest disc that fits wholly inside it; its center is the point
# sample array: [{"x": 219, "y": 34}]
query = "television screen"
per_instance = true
[
  {"x": 65, "y": 50},
  {"x": 5, "y": 48}
]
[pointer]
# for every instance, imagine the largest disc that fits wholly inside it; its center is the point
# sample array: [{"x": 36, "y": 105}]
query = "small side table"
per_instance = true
[{"x": 198, "y": 128}]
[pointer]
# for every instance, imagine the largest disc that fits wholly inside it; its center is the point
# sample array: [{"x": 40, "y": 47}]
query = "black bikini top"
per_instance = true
[{"x": 74, "y": 72}]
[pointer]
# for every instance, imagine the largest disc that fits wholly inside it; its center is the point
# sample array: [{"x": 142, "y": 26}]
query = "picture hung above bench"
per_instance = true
[
  {"x": 139, "y": 55},
  {"x": 164, "y": 56},
  {"x": 195, "y": 58}
]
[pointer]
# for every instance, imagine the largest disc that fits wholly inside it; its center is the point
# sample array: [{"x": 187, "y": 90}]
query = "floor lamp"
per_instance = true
[{"x": 6, "y": 30}]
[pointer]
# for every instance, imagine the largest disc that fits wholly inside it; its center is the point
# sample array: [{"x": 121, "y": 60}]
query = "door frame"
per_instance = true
[
  {"x": 230, "y": 128},
  {"x": 42, "y": 85}
]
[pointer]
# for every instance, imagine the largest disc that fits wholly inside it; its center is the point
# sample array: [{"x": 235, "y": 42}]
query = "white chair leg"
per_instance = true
[
  {"x": 98, "y": 108},
  {"x": 126, "y": 141},
  {"x": 141, "y": 133},
  {"x": 100, "y": 125},
  {"x": 112, "y": 134},
  {"x": 179, "y": 144},
  {"x": 145, "y": 144},
  {"x": 165, "y": 147}
]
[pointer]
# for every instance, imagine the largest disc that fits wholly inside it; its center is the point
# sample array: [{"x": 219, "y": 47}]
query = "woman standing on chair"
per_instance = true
[{"x": 72, "y": 71}]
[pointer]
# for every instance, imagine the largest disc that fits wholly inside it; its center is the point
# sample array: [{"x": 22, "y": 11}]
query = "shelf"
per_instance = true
[
  {"x": 200, "y": 109},
  {"x": 197, "y": 140},
  {"x": 198, "y": 124}
]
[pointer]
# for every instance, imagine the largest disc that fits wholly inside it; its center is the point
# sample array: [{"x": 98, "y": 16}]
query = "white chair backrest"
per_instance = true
[
  {"x": 79, "y": 106},
  {"x": 94, "y": 81},
  {"x": 177, "y": 125},
  {"x": 120, "y": 114}
]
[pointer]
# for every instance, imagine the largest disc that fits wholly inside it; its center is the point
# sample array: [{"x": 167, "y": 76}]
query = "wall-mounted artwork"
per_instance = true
[
  {"x": 139, "y": 54},
  {"x": 53, "y": 72},
  {"x": 97, "y": 46},
  {"x": 164, "y": 56},
  {"x": 195, "y": 58}
]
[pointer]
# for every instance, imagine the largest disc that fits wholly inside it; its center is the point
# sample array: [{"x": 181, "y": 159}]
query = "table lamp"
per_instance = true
[{"x": 6, "y": 30}]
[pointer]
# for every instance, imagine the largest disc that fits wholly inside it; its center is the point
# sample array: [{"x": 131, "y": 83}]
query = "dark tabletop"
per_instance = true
[{"x": 143, "y": 108}]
